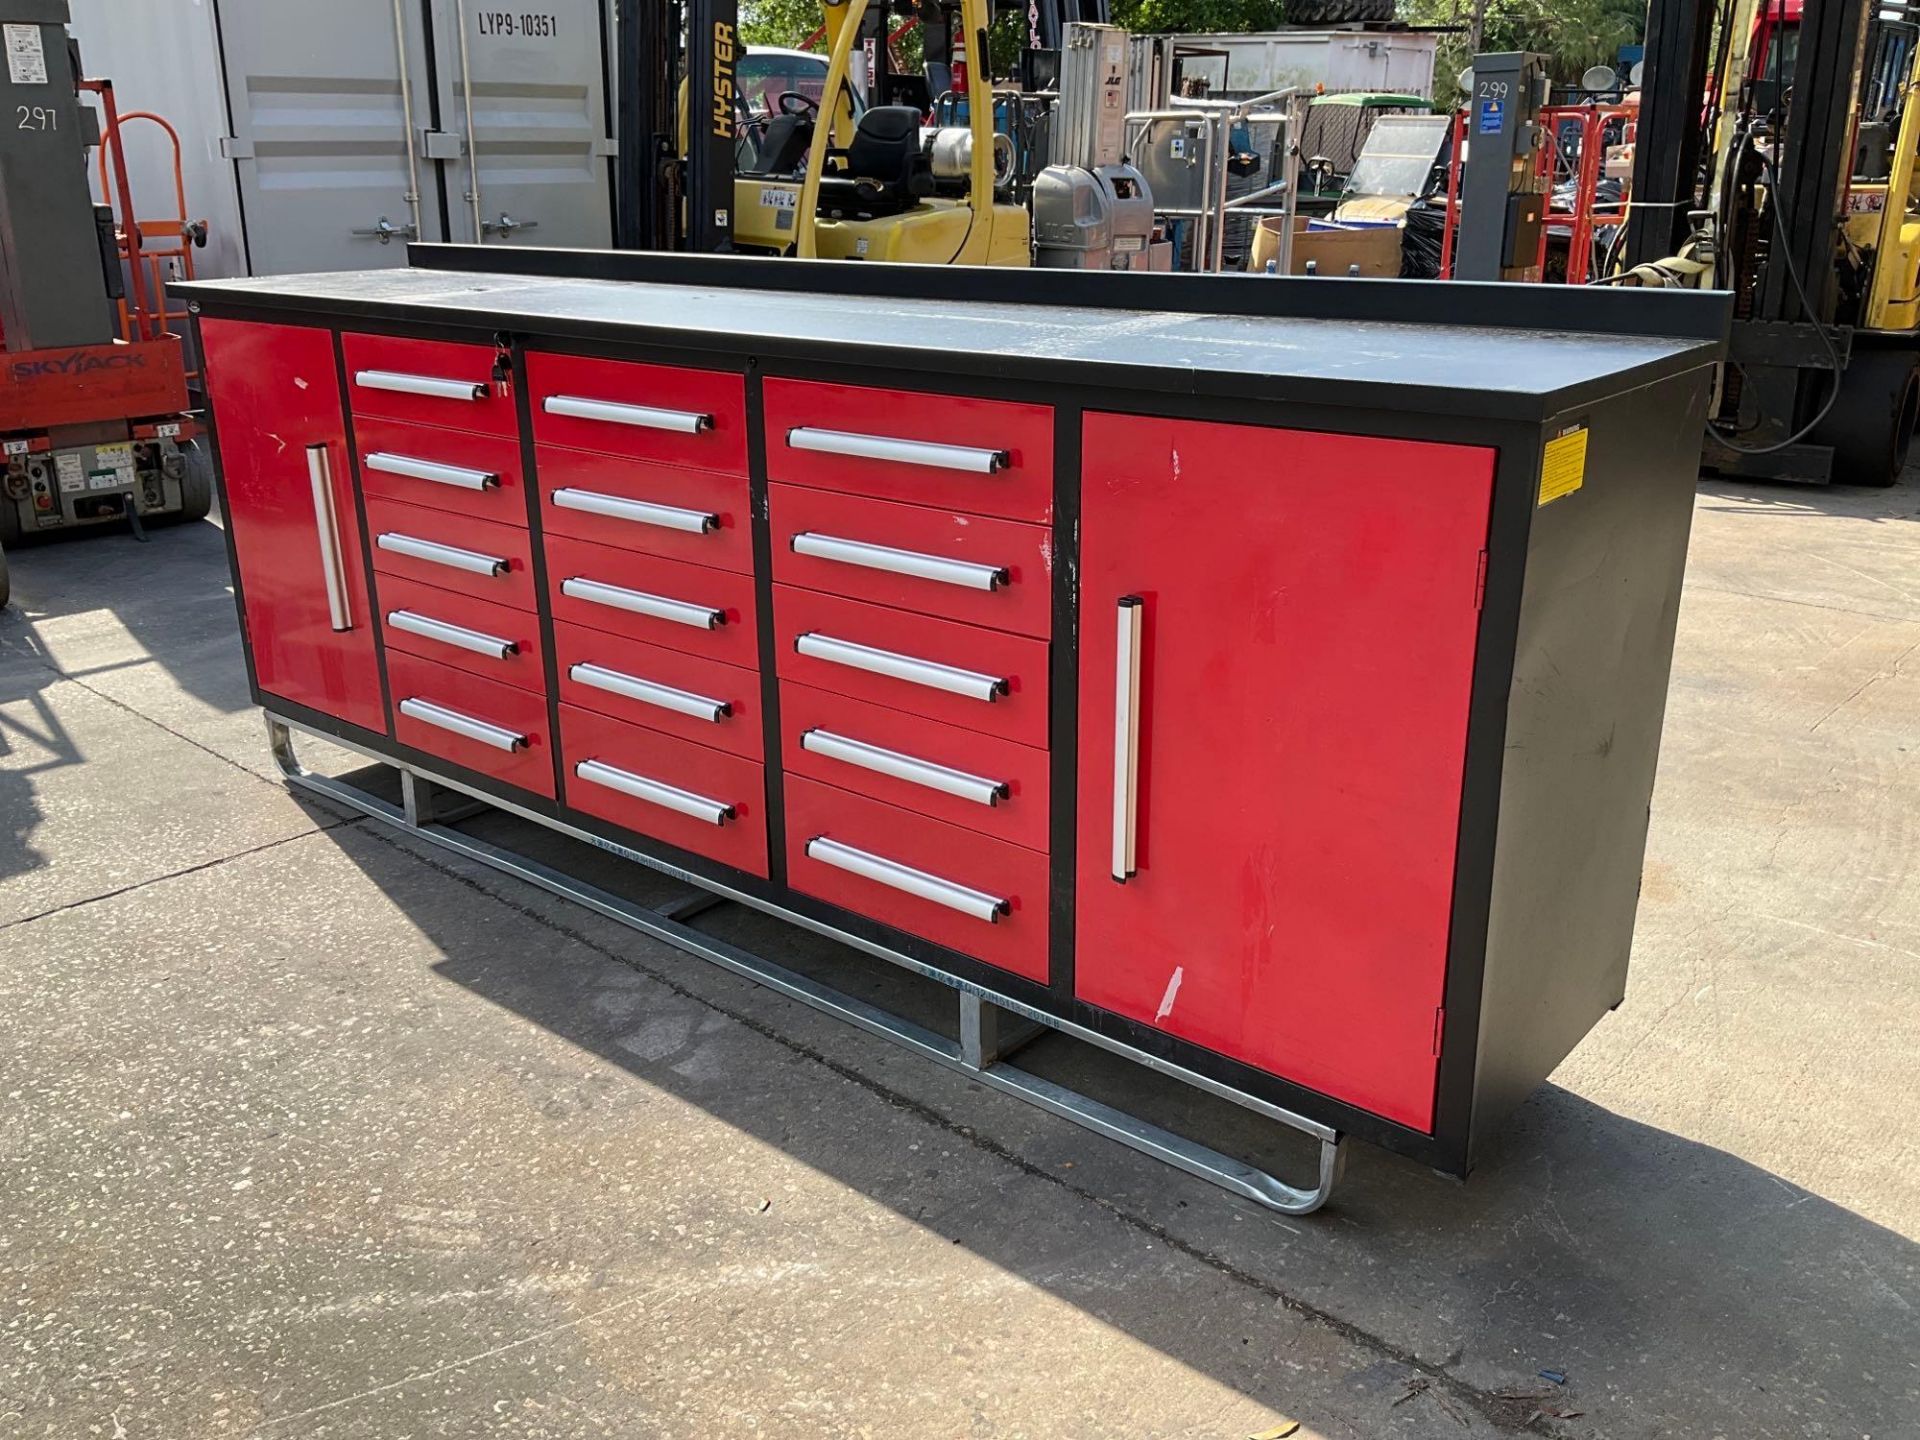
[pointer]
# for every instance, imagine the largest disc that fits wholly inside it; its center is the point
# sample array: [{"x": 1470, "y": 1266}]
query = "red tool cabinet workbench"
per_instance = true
[{"x": 1269, "y": 696}]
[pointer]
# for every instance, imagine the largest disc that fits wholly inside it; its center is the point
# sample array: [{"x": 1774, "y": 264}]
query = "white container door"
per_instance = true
[
  {"x": 320, "y": 144},
  {"x": 529, "y": 161}
]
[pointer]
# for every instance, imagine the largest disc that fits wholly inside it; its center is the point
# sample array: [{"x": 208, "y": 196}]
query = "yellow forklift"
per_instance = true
[
  {"x": 1776, "y": 157},
  {"x": 812, "y": 169}
]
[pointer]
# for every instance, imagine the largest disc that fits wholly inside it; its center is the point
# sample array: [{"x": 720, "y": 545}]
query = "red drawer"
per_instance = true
[
  {"x": 699, "y": 799},
  {"x": 476, "y": 475},
  {"x": 961, "y": 567},
  {"x": 979, "y": 896},
  {"x": 438, "y": 382},
  {"x": 958, "y": 775},
  {"x": 694, "y": 608},
  {"x": 649, "y": 412},
  {"x": 495, "y": 641},
  {"x": 662, "y": 689},
  {"x": 984, "y": 457},
  {"x": 452, "y": 552},
  {"x": 977, "y": 679},
  {"x": 681, "y": 514},
  {"x": 496, "y": 729}
]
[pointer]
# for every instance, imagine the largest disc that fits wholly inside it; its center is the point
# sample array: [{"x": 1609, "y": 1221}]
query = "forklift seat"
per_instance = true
[{"x": 883, "y": 171}]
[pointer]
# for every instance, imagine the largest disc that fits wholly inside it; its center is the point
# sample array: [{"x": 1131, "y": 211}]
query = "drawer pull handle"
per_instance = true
[
  {"x": 451, "y": 556},
  {"x": 968, "y": 574},
  {"x": 326, "y": 525},
  {"x": 905, "y": 767},
  {"x": 668, "y": 797},
  {"x": 647, "y": 692},
  {"x": 1126, "y": 736},
  {"x": 457, "y": 476},
  {"x": 906, "y": 452},
  {"x": 638, "y": 602},
  {"x": 457, "y": 636},
  {"x": 641, "y": 512},
  {"x": 420, "y": 385},
  {"x": 645, "y": 417},
  {"x": 930, "y": 673},
  {"x": 894, "y": 875},
  {"x": 441, "y": 718}
]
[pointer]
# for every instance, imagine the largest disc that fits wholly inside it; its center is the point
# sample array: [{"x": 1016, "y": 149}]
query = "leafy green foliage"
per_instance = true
[
  {"x": 1576, "y": 33},
  {"x": 1168, "y": 17},
  {"x": 779, "y": 22}
]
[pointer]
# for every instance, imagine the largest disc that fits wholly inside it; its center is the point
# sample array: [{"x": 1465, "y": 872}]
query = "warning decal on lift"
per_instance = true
[
  {"x": 113, "y": 468},
  {"x": 26, "y": 59},
  {"x": 1563, "y": 468}
]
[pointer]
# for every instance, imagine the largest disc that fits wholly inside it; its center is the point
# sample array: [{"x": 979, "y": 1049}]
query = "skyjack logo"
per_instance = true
[{"x": 78, "y": 362}]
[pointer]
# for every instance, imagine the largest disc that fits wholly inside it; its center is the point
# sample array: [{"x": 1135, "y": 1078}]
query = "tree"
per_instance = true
[
  {"x": 1575, "y": 35},
  {"x": 779, "y": 22}
]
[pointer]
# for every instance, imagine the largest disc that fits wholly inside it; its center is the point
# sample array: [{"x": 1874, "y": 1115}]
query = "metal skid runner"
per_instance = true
[{"x": 992, "y": 1026}]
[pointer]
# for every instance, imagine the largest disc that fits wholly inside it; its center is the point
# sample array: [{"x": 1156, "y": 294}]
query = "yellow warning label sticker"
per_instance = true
[{"x": 1563, "y": 468}]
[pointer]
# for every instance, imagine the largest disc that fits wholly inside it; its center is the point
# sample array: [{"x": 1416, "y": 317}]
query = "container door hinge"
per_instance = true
[
  {"x": 1439, "y": 1024},
  {"x": 236, "y": 147},
  {"x": 1480, "y": 581}
]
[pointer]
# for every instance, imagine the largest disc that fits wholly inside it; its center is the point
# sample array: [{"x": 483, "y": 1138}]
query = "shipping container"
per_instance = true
[
  {"x": 324, "y": 137},
  {"x": 1241, "y": 67}
]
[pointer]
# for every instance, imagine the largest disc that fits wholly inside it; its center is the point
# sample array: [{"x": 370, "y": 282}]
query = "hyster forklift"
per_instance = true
[
  {"x": 1776, "y": 158},
  {"x": 895, "y": 194},
  {"x": 833, "y": 172}
]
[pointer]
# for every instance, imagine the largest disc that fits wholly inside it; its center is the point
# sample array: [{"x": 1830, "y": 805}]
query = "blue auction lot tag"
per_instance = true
[{"x": 1493, "y": 115}]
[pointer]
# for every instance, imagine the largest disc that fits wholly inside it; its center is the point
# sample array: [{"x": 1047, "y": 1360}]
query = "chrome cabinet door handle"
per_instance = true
[
  {"x": 441, "y": 718},
  {"x": 479, "y": 642},
  {"x": 638, "y": 602},
  {"x": 434, "y": 553},
  {"x": 327, "y": 526},
  {"x": 648, "y": 692},
  {"x": 432, "y": 385},
  {"x": 643, "y": 417},
  {"x": 1126, "y": 735},
  {"x": 930, "y": 673},
  {"x": 654, "y": 792},
  {"x": 932, "y": 453},
  {"x": 905, "y": 767},
  {"x": 458, "y": 476},
  {"x": 895, "y": 876},
  {"x": 968, "y": 574},
  {"x": 640, "y": 512}
]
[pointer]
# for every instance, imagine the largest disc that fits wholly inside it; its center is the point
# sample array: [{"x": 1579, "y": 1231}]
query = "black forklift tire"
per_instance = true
[
  {"x": 9, "y": 523},
  {"x": 1871, "y": 424},
  {"x": 6, "y": 581},
  {"x": 1336, "y": 12}
]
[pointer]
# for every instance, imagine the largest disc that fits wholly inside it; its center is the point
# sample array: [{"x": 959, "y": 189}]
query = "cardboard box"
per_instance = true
[{"x": 1374, "y": 248}]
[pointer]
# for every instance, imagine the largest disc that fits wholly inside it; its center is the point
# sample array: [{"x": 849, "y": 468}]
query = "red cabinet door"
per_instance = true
[
  {"x": 1307, "y": 607},
  {"x": 275, "y": 394}
]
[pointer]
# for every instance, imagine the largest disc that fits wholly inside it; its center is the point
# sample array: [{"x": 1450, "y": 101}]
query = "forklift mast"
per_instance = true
[
  {"x": 1749, "y": 115},
  {"x": 713, "y": 57}
]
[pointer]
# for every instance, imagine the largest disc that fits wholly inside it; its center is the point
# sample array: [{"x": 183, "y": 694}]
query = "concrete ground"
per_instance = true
[{"x": 309, "y": 1130}]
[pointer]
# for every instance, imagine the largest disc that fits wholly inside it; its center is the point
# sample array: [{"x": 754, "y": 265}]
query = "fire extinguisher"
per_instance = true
[{"x": 958, "y": 65}]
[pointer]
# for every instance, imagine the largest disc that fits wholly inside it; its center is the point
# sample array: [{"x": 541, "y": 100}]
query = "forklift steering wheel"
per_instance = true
[{"x": 793, "y": 102}]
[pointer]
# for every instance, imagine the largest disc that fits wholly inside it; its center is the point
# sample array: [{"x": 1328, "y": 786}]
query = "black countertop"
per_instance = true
[{"x": 1456, "y": 366}]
